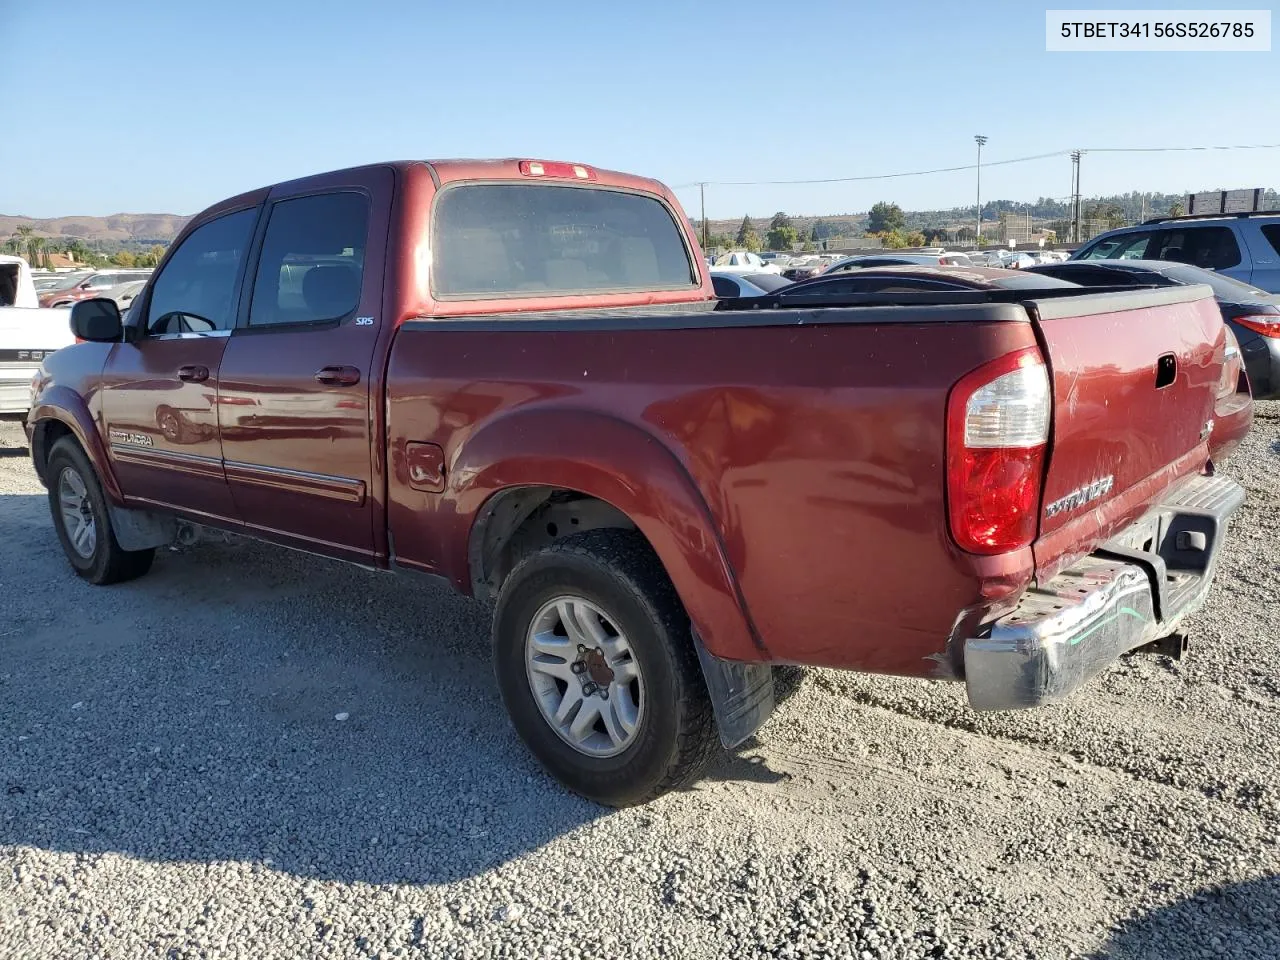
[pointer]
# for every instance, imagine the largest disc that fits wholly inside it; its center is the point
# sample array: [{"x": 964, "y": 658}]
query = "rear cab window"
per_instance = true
[{"x": 510, "y": 240}]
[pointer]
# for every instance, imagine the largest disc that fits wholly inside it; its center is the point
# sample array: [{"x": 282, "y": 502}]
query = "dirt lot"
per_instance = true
[{"x": 174, "y": 783}]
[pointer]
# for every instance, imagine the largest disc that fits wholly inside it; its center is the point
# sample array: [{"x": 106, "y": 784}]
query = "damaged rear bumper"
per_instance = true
[{"x": 1134, "y": 590}]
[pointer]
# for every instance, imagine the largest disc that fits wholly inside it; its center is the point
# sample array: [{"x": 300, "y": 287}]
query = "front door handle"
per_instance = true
[
  {"x": 193, "y": 373},
  {"x": 338, "y": 376}
]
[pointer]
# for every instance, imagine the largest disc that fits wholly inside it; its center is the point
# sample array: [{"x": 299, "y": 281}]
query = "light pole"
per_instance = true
[{"x": 980, "y": 140}]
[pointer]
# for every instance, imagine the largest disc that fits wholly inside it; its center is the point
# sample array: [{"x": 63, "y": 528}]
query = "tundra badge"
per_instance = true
[{"x": 1080, "y": 496}]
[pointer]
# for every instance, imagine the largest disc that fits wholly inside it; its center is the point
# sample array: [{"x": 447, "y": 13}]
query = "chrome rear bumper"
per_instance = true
[{"x": 1134, "y": 590}]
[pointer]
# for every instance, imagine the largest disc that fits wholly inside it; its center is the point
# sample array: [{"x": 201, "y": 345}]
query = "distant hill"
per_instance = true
[{"x": 122, "y": 228}]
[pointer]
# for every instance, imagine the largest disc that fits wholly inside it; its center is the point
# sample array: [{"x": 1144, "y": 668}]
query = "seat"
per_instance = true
[
  {"x": 331, "y": 290},
  {"x": 475, "y": 260},
  {"x": 639, "y": 262}
]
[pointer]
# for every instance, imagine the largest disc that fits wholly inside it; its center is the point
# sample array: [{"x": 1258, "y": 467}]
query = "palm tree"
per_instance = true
[
  {"x": 24, "y": 234},
  {"x": 77, "y": 251},
  {"x": 35, "y": 246}
]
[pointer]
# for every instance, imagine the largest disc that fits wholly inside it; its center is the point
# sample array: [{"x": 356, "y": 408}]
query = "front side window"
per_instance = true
[
  {"x": 516, "y": 239},
  {"x": 1132, "y": 247},
  {"x": 1103, "y": 249},
  {"x": 312, "y": 264},
  {"x": 195, "y": 292}
]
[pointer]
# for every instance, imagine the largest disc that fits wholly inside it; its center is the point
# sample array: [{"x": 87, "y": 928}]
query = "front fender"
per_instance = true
[
  {"x": 626, "y": 467},
  {"x": 64, "y": 405}
]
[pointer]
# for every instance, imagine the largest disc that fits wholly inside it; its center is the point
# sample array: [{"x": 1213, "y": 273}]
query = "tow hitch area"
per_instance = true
[{"x": 1174, "y": 645}]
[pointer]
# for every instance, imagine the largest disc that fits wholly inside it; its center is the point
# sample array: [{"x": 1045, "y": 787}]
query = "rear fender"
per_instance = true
[
  {"x": 63, "y": 405},
  {"x": 631, "y": 470}
]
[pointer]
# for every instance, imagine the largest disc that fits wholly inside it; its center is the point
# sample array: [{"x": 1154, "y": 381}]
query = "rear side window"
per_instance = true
[
  {"x": 1213, "y": 248},
  {"x": 724, "y": 287},
  {"x": 312, "y": 262},
  {"x": 513, "y": 239},
  {"x": 1272, "y": 232}
]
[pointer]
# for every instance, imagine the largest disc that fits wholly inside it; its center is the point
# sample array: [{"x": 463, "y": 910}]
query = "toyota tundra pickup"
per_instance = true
[{"x": 514, "y": 375}]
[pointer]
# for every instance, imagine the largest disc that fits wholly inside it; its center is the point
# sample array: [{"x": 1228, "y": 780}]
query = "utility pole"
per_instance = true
[
  {"x": 1075, "y": 196},
  {"x": 702, "y": 192},
  {"x": 980, "y": 140}
]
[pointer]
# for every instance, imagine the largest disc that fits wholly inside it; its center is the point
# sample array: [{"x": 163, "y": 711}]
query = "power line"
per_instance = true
[
  {"x": 970, "y": 166},
  {"x": 876, "y": 176},
  {"x": 1235, "y": 146}
]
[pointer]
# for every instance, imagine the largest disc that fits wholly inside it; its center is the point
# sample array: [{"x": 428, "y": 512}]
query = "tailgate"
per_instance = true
[{"x": 1134, "y": 379}]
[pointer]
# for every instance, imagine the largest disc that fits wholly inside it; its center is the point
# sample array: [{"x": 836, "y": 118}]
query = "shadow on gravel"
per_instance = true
[
  {"x": 1238, "y": 920},
  {"x": 191, "y": 717},
  {"x": 14, "y": 452},
  {"x": 733, "y": 766}
]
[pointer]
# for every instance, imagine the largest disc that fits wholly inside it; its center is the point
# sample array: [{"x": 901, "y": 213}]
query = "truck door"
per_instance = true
[
  {"x": 295, "y": 406},
  {"x": 160, "y": 390}
]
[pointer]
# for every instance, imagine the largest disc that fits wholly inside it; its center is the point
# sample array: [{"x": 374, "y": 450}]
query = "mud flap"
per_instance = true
[
  {"x": 741, "y": 693},
  {"x": 140, "y": 529}
]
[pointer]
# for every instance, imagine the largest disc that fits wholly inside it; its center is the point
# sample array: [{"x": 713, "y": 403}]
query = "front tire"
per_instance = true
[
  {"x": 596, "y": 666},
  {"x": 83, "y": 523}
]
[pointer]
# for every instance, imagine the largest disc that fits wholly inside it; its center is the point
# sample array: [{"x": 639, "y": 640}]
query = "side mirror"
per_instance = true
[{"x": 97, "y": 320}]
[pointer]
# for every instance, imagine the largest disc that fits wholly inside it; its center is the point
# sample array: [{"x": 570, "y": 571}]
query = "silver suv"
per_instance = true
[{"x": 1243, "y": 245}]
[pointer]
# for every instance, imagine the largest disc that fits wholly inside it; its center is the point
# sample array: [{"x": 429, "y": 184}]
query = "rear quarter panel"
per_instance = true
[{"x": 817, "y": 449}]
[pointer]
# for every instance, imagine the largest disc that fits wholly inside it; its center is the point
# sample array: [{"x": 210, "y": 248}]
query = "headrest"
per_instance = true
[{"x": 331, "y": 290}]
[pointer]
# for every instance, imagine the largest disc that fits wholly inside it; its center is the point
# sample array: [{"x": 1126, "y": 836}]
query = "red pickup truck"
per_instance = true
[{"x": 514, "y": 375}]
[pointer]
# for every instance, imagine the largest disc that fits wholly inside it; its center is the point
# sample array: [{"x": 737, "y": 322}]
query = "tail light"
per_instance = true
[
  {"x": 997, "y": 432},
  {"x": 1232, "y": 365},
  {"x": 1266, "y": 325}
]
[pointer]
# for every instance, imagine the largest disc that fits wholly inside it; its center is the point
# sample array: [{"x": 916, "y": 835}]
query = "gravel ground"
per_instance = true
[{"x": 175, "y": 782}]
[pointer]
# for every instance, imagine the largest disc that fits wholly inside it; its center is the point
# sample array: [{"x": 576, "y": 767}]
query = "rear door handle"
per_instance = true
[
  {"x": 338, "y": 376},
  {"x": 193, "y": 373}
]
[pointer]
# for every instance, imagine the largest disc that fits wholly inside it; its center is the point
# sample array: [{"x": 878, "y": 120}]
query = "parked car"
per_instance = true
[
  {"x": 1245, "y": 246},
  {"x": 863, "y": 261},
  {"x": 1013, "y": 259},
  {"x": 124, "y": 293},
  {"x": 661, "y": 496},
  {"x": 983, "y": 258},
  {"x": 91, "y": 285},
  {"x": 802, "y": 268},
  {"x": 28, "y": 334},
  {"x": 1252, "y": 314},
  {"x": 744, "y": 260},
  {"x": 732, "y": 284},
  {"x": 54, "y": 281},
  {"x": 1233, "y": 408}
]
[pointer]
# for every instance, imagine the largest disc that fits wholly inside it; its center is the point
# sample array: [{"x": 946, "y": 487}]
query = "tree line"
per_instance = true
[{"x": 38, "y": 251}]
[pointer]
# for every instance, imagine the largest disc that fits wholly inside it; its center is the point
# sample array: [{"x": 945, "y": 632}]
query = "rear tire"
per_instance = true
[
  {"x": 595, "y": 662},
  {"x": 83, "y": 523}
]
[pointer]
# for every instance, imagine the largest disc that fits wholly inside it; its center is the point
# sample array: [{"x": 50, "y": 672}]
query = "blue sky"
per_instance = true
[{"x": 169, "y": 106}]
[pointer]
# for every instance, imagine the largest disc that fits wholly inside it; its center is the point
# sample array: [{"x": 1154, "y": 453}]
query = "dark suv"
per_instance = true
[{"x": 1245, "y": 246}]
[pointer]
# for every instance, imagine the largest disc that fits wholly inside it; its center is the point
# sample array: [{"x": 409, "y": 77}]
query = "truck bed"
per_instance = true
[{"x": 815, "y": 438}]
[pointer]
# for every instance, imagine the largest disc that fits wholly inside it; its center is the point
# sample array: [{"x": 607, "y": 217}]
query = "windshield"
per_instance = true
[
  {"x": 1224, "y": 288},
  {"x": 66, "y": 283},
  {"x": 1031, "y": 281},
  {"x": 767, "y": 281}
]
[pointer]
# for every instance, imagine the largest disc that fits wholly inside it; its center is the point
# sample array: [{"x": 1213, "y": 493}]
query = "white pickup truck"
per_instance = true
[{"x": 28, "y": 333}]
